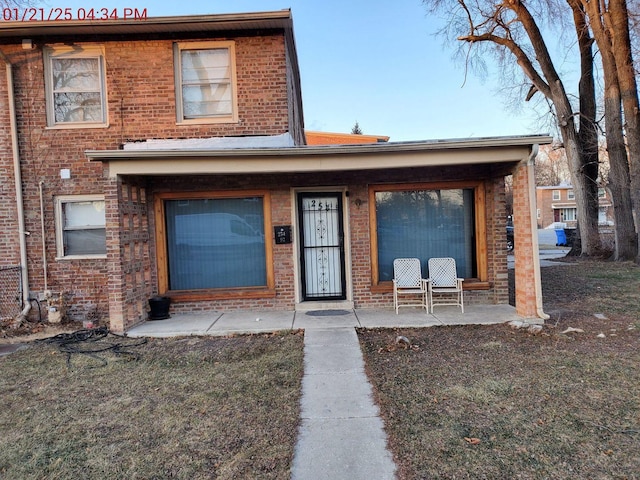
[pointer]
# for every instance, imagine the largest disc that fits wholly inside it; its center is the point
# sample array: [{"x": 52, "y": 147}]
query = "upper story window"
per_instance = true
[
  {"x": 556, "y": 195},
  {"x": 206, "y": 82},
  {"x": 570, "y": 195},
  {"x": 602, "y": 193},
  {"x": 75, "y": 86}
]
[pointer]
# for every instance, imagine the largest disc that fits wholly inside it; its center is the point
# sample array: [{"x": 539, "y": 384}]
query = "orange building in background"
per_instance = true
[{"x": 329, "y": 138}]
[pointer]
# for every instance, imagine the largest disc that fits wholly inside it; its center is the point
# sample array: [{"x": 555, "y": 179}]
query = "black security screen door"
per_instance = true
[{"x": 322, "y": 246}]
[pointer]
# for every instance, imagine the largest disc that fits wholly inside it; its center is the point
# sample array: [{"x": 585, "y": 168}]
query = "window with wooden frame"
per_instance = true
[
  {"x": 75, "y": 86},
  {"x": 214, "y": 244},
  {"x": 205, "y": 79},
  {"x": 429, "y": 220}
]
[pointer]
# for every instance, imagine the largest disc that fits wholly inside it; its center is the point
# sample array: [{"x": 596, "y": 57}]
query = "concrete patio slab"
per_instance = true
[
  {"x": 255, "y": 321},
  {"x": 238, "y": 322},
  {"x": 179, "y": 324}
]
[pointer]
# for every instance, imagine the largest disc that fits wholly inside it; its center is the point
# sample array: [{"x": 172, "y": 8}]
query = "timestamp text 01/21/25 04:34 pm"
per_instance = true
[{"x": 34, "y": 14}]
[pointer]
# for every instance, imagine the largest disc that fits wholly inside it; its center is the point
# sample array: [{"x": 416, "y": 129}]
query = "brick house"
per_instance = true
[
  {"x": 557, "y": 204},
  {"x": 168, "y": 157}
]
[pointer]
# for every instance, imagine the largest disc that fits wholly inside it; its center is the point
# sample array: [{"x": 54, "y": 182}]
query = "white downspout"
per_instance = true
[
  {"x": 44, "y": 238},
  {"x": 18, "y": 186},
  {"x": 534, "y": 231}
]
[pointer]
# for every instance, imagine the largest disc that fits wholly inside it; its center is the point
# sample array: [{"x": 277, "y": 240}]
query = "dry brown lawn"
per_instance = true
[
  {"x": 184, "y": 408},
  {"x": 498, "y": 403},
  {"x": 466, "y": 402}
]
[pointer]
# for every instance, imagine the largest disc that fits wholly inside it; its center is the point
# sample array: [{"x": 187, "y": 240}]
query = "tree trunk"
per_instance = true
[
  {"x": 588, "y": 131},
  {"x": 586, "y": 208},
  {"x": 625, "y": 234},
  {"x": 581, "y": 172},
  {"x": 619, "y": 19}
]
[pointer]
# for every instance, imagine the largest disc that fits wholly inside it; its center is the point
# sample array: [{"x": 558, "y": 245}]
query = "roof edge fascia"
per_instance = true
[
  {"x": 18, "y": 28},
  {"x": 329, "y": 150}
]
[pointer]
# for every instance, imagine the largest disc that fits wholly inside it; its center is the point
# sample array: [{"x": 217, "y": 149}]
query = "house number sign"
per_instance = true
[{"x": 282, "y": 234}]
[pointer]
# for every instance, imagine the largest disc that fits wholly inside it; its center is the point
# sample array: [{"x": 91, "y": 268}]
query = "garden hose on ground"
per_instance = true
[{"x": 78, "y": 343}]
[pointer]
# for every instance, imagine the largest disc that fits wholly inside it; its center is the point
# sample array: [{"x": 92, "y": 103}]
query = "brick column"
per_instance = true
[
  {"x": 116, "y": 281},
  {"x": 527, "y": 261}
]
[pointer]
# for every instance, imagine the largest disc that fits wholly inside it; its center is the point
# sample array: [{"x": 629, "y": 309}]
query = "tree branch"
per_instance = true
[{"x": 521, "y": 57}]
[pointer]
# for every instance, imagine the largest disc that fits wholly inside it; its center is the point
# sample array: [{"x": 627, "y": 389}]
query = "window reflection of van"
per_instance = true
[
  {"x": 214, "y": 250},
  {"x": 214, "y": 230}
]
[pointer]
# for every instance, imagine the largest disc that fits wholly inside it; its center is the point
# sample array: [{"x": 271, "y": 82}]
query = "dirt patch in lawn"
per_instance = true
[
  {"x": 495, "y": 402},
  {"x": 31, "y": 331},
  {"x": 183, "y": 408}
]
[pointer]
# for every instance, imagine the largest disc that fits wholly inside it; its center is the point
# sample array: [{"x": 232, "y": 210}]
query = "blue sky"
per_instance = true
[{"x": 375, "y": 62}]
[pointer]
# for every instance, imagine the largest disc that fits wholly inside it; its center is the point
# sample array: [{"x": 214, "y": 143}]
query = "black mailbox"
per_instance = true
[{"x": 282, "y": 234}]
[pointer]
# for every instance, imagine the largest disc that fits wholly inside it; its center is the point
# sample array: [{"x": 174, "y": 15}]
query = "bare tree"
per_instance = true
[
  {"x": 511, "y": 28},
  {"x": 619, "y": 26},
  {"x": 619, "y": 182},
  {"x": 551, "y": 166},
  {"x": 17, "y": 3}
]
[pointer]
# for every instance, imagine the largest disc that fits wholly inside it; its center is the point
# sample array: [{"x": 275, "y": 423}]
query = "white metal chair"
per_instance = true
[
  {"x": 443, "y": 281},
  {"x": 407, "y": 280}
]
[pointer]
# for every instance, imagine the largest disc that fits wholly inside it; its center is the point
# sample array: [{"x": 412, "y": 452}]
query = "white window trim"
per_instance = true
[
  {"x": 177, "y": 48},
  {"x": 569, "y": 212},
  {"x": 59, "y": 217},
  {"x": 555, "y": 195},
  {"x": 570, "y": 195},
  {"x": 91, "y": 51}
]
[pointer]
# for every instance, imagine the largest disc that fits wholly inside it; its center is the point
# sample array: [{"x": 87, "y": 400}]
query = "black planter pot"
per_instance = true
[{"x": 159, "y": 308}]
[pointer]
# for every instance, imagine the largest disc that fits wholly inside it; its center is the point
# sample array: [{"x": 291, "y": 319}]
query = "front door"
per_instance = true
[{"x": 321, "y": 246}]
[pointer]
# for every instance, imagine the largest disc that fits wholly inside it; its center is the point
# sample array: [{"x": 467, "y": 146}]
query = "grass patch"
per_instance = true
[
  {"x": 493, "y": 402},
  {"x": 189, "y": 408},
  {"x": 583, "y": 288}
]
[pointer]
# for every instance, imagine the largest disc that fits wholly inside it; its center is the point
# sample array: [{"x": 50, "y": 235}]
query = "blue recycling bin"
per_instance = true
[{"x": 561, "y": 238}]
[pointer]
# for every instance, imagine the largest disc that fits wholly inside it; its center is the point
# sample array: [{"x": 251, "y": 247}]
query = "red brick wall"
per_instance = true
[
  {"x": 496, "y": 215},
  {"x": 140, "y": 109},
  {"x": 285, "y": 258},
  {"x": 9, "y": 236},
  {"x": 129, "y": 252},
  {"x": 141, "y": 105},
  {"x": 525, "y": 286}
]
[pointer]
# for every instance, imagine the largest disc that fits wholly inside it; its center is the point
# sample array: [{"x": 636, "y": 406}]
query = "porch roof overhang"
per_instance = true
[{"x": 333, "y": 158}]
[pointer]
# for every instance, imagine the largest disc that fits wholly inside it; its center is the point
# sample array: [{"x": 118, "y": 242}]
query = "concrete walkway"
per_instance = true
[{"x": 341, "y": 434}]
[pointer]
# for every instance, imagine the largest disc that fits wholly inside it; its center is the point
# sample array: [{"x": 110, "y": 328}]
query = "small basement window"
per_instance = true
[{"x": 80, "y": 226}]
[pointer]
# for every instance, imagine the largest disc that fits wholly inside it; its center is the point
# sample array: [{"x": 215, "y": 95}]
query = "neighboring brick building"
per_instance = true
[
  {"x": 168, "y": 157},
  {"x": 557, "y": 204}
]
